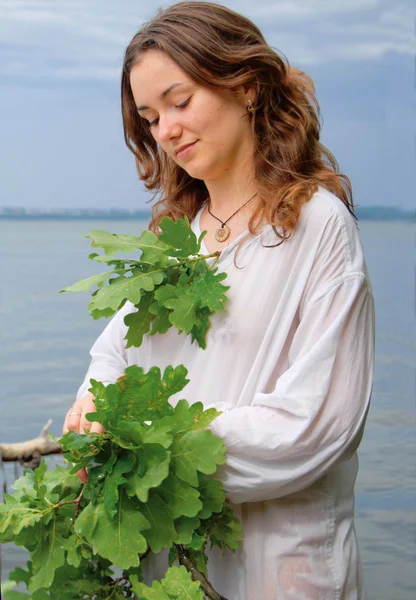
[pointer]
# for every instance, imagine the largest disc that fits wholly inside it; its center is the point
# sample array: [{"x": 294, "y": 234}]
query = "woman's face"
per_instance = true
[{"x": 206, "y": 132}]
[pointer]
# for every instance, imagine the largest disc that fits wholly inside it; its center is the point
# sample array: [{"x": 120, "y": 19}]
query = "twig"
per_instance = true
[
  {"x": 142, "y": 556},
  {"x": 197, "y": 575},
  {"x": 75, "y": 501}
]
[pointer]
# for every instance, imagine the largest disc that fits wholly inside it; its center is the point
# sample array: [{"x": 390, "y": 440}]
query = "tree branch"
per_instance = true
[
  {"x": 30, "y": 452},
  {"x": 197, "y": 575}
]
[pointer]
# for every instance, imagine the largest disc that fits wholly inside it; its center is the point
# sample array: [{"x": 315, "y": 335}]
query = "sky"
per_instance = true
[{"x": 61, "y": 139}]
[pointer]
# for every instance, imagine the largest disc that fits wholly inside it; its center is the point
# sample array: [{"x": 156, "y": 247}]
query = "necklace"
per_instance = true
[{"x": 223, "y": 232}]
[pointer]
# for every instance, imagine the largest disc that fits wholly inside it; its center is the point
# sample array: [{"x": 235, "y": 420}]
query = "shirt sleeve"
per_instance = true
[
  {"x": 108, "y": 354},
  {"x": 287, "y": 439}
]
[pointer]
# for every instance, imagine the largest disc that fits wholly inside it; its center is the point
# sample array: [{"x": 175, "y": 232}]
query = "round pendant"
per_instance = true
[{"x": 222, "y": 233}]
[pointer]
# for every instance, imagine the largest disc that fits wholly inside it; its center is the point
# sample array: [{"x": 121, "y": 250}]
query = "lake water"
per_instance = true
[{"x": 45, "y": 338}]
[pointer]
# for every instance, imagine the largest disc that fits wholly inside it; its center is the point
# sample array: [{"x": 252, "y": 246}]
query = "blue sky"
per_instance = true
[{"x": 60, "y": 125}]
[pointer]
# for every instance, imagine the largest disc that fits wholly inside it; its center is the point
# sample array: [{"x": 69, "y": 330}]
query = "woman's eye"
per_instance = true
[{"x": 183, "y": 104}]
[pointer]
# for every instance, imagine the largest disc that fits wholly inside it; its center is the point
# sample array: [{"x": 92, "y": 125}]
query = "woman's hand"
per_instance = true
[{"x": 75, "y": 421}]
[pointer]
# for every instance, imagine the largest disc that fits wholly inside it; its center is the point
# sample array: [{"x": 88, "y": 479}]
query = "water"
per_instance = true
[{"x": 45, "y": 337}]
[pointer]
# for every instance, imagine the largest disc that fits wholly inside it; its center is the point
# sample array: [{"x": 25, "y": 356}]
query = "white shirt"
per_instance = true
[{"x": 290, "y": 364}]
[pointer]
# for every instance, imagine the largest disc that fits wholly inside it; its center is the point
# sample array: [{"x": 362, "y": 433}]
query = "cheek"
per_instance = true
[{"x": 218, "y": 125}]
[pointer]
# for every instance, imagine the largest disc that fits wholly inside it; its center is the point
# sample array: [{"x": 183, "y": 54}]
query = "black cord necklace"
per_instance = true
[{"x": 223, "y": 232}]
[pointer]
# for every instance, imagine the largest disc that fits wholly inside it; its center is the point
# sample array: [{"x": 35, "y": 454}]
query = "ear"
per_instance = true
[{"x": 250, "y": 92}]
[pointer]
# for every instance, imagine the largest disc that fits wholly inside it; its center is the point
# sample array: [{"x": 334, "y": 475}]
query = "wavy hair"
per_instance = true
[{"x": 223, "y": 50}]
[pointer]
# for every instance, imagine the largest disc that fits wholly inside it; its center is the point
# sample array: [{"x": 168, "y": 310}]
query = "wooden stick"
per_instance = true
[
  {"x": 30, "y": 452},
  {"x": 197, "y": 575}
]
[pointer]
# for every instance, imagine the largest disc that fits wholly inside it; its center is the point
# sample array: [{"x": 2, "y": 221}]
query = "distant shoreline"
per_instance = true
[
  {"x": 48, "y": 217},
  {"x": 365, "y": 213}
]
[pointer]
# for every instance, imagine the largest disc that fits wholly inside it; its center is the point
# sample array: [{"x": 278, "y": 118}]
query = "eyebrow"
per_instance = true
[{"x": 165, "y": 93}]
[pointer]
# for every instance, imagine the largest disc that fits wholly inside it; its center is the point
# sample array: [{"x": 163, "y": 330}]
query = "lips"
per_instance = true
[{"x": 181, "y": 149}]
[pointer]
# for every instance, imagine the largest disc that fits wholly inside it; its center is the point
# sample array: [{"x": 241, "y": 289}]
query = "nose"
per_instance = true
[{"x": 169, "y": 128}]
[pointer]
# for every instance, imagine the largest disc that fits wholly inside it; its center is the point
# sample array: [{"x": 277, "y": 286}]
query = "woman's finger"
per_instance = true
[
  {"x": 72, "y": 420},
  {"x": 84, "y": 425},
  {"x": 97, "y": 428},
  {"x": 82, "y": 474}
]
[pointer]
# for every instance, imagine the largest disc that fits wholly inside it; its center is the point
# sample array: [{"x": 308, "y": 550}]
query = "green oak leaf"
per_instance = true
[
  {"x": 209, "y": 291},
  {"x": 6, "y": 586},
  {"x": 164, "y": 293},
  {"x": 99, "y": 391},
  {"x": 118, "y": 263},
  {"x": 199, "y": 332},
  {"x": 39, "y": 475},
  {"x": 83, "y": 285},
  {"x": 19, "y": 575},
  {"x": 133, "y": 435},
  {"x": 143, "y": 592},
  {"x": 87, "y": 444},
  {"x": 223, "y": 530},
  {"x": 60, "y": 481},
  {"x": 153, "y": 468},
  {"x": 119, "y": 539},
  {"x": 199, "y": 558},
  {"x": 212, "y": 496},
  {"x": 106, "y": 312},
  {"x": 179, "y": 236},
  {"x": 82, "y": 449},
  {"x": 73, "y": 546},
  {"x": 113, "y": 242},
  {"x": 154, "y": 251},
  {"x": 13, "y": 595},
  {"x": 121, "y": 287},
  {"x": 110, "y": 297},
  {"x": 156, "y": 434},
  {"x": 115, "y": 479},
  {"x": 197, "y": 542},
  {"x": 139, "y": 322},
  {"x": 187, "y": 417},
  {"x": 185, "y": 528},
  {"x": 160, "y": 323},
  {"x": 183, "y": 312},
  {"x": 49, "y": 553},
  {"x": 182, "y": 498},
  {"x": 197, "y": 450},
  {"x": 87, "y": 520},
  {"x": 24, "y": 486},
  {"x": 161, "y": 532},
  {"x": 177, "y": 584},
  {"x": 192, "y": 301},
  {"x": 16, "y": 516}
]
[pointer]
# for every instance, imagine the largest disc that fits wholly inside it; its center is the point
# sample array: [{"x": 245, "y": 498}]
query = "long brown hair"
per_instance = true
[{"x": 221, "y": 49}]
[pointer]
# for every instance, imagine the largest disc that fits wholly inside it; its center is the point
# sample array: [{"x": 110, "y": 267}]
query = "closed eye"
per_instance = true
[
  {"x": 180, "y": 106},
  {"x": 183, "y": 104}
]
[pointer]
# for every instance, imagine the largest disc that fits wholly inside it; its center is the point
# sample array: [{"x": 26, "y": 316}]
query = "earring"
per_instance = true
[{"x": 250, "y": 107}]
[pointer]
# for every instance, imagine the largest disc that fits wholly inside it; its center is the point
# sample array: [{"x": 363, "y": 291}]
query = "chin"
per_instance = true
[{"x": 198, "y": 171}]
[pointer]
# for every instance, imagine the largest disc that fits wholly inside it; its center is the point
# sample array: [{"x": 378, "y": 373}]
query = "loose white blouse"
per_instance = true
[{"x": 290, "y": 364}]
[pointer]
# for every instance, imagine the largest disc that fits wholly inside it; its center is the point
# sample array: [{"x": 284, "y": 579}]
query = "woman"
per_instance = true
[{"x": 229, "y": 136}]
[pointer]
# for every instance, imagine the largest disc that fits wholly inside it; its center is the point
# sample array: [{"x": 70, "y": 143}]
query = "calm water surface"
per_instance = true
[{"x": 45, "y": 337}]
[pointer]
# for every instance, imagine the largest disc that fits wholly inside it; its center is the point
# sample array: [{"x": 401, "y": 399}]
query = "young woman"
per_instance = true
[{"x": 228, "y": 134}]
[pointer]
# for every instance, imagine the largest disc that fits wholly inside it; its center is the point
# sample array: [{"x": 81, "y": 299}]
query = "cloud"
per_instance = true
[
  {"x": 84, "y": 40},
  {"x": 319, "y": 32},
  {"x": 310, "y": 8}
]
